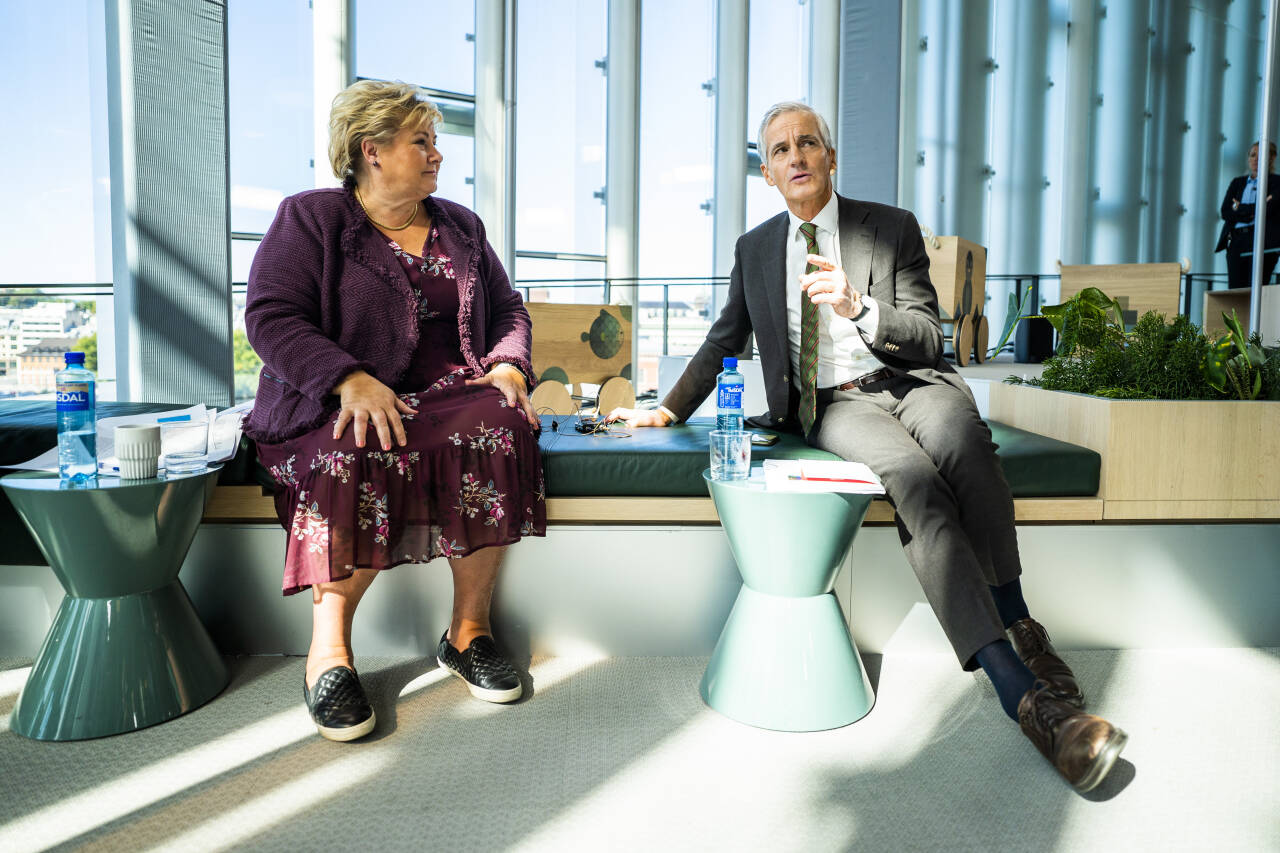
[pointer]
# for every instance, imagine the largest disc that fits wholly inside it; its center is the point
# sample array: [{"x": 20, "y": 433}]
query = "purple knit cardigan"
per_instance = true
[{"x": 327, "y": 297}]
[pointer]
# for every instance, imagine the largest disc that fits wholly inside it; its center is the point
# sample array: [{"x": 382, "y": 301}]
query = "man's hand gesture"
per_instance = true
[{"x": 830, "y": 285}]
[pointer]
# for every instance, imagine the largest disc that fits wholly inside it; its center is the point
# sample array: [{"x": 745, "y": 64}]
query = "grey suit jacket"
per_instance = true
[{"x": 883, "y": 256}]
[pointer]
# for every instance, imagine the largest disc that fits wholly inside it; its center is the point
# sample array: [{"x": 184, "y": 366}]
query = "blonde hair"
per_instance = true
[{"x": 375, "y": 110}]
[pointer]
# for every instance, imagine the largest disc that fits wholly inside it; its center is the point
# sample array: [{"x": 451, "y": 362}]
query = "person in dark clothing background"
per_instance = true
[{"x": 1238, "y": 211}]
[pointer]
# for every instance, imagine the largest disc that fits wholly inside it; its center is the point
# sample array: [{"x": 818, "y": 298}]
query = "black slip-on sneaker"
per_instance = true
[
  {"x": 338, "y": 706},
  {"x": 489, "y": 676}
]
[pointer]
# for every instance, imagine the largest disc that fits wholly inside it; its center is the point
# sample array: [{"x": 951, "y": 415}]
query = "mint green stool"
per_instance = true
[
  {"x": 126, "y": 648},
  {"x": 785, "y": 659}
]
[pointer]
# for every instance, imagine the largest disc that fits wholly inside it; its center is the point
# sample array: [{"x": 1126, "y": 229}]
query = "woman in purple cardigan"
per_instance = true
[{"x": 393, "y": 405}]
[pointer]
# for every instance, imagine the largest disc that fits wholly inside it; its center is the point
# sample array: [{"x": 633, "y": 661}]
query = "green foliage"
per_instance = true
[
  {"x": 1013, "y": 315},
  {"x": 1236, "y": 366},
  {"x": 1156, "y": 360},
  {"x": 1088, "y": 320},
  {"x": 243, "y": 359},
  {"x": 89, "y": 346}
]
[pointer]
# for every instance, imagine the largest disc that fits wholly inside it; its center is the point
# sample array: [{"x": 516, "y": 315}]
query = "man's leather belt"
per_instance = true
[{"x": 870, "y": 379}]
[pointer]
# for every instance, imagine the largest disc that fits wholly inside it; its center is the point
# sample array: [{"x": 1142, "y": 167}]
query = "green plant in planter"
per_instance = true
[
  {"x": 1241, "y": 367},
  {"x": 1156, "y": 360},
  {"x": 1086, "y": 321}
]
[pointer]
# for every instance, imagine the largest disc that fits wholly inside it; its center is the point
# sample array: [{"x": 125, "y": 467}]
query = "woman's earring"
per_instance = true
[{"x": 374, "y": 163}]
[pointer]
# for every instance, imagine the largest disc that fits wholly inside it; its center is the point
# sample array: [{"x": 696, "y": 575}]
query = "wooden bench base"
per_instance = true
[{"x": 250, "y": 505}]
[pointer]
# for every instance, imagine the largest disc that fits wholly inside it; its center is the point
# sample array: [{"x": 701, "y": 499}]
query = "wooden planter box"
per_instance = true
[{"x": 1162, "y": 459}]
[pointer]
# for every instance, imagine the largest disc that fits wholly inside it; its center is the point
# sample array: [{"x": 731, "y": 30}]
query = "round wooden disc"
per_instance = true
[
  {"x": 962, "y": 339},
  {"x": 980, "y": 339},
  {"x": 614, "y": 393},
  {"x": 552, "y": 398}
]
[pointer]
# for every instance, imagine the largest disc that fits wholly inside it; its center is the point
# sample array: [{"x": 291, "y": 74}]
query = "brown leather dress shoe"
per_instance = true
[
  {"x": 1031, "y": 642},
  {"x": 1080, "y": 746}
]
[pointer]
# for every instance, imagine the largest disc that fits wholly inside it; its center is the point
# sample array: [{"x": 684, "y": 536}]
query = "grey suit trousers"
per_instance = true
[{"x": 936, "y": 459}]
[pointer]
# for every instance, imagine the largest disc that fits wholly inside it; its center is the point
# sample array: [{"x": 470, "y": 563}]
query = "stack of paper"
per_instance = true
[
  {"x": 814, "y": 475},
  {"x": 224, "y": 436}
]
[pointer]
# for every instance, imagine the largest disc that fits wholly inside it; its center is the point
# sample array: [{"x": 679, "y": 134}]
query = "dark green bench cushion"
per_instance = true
[
  {"x": 1037, "y": 466},
  {"x": 669, "y": 462},
  {"x": 648, "y": 463}
]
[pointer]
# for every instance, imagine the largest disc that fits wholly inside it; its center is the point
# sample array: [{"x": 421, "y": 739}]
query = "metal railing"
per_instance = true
[{"x": 606, "y": 288}]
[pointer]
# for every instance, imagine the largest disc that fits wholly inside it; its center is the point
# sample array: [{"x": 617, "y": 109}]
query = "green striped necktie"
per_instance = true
[{"x": 808, "y": 339}]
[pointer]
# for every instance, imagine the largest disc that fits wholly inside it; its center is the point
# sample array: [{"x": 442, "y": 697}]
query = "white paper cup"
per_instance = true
[{"x": 138, "y": 449}]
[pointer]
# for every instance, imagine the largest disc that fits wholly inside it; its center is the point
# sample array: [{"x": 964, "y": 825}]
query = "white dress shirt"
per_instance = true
[{"x": 842, "y": 353}]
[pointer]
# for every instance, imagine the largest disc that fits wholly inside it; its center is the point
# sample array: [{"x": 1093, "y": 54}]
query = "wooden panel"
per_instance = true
[
  {"x": 580, "y": 343},
  {"x": 1063, "y": 510},
  {"x": 1159, "y": 450},
  {"x": 958, "y": 262},
  {"x": 1194, "y": 450},
  {"x": 1219, "y": 302},
  {"x": 248, "y": 505},
  {"x": 1193, "y": 510},
  {"x": 631, "y": 511},
  {"x": 1149, "y": 287},
  {"x": 244, "y": 504}
]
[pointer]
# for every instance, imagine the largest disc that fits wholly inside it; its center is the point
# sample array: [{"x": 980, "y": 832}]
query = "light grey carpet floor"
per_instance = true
[{"x": 621, "y": 754}]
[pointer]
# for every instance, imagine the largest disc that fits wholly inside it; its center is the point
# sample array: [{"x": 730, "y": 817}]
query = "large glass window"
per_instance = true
[
  {"x": 560, "y": 134},
  {"x": 677, "y": 138},
  {"x": 779, "y": 51},
  {"x": 56, "y": 227},
  {"x": 56, "y": 223},
  {"x": 270, "y": 118},
  {"x": 428, "y": 44},
  {"x": 269, "y": 112},
  {"x": 431, "y": 45}
]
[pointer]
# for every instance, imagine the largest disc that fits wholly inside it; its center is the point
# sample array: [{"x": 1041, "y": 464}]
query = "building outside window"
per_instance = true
[{"x": 56, "y": 244}]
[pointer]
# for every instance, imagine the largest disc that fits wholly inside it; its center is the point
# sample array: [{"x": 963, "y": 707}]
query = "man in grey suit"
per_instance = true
[{"x": 838, "y": 295}]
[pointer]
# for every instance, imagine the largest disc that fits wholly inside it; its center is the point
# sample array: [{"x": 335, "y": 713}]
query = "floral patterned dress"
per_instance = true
[{"x": 469, "y": 477}]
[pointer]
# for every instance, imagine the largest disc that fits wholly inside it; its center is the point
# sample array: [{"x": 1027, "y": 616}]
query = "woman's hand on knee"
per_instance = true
[
  {"x": 508, "y": 379},
  {"x": 365, "y": 400}
]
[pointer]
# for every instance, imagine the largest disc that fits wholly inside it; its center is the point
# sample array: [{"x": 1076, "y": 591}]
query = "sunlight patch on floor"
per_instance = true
[
  {"x": 258, "y": 814},
  {"x": 12, "y": 681},
  {"x": 135, "y": 790}
]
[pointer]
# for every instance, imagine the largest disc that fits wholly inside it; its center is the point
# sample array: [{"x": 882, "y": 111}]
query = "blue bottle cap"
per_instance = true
[
  {"x": 73, "y": 357},
  {"x": 730, "y": 362}
]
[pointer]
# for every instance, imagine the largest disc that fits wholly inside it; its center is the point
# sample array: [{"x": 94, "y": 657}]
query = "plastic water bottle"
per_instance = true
[
  {"x": 729, "y": 396},
  {"x": 77, "y": 422}
]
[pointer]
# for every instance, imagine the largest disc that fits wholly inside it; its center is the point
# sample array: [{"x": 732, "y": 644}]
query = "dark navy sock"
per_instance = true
[
  {"x": 1007, "y": 672},
  {"x": 1009, "y": 603}
]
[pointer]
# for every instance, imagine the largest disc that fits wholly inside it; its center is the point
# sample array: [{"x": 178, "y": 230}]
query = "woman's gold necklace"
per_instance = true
[{"x": 412, "y": 219}]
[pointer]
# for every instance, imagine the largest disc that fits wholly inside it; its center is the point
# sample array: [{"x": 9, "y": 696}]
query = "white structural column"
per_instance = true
[
  {"x": 733, "y": 131},
  {"x": 170, "y": 212},
  {"x": 622, "y": 152},
  {"x": 495, "y": 122},
  {"x": 1162, "y": 187},
  {"x": 953, "y": 98},
  {"x": 824, "y": 58},
  {"x": 1076, "y": 175},
  {"x": 1123, "y": 59},
  {"x": 333, "y": 48},
  {"x": 1264, "y": 145},
  {"x": 1203, "y": 179},
  {"x": 1018, "y": 144}
]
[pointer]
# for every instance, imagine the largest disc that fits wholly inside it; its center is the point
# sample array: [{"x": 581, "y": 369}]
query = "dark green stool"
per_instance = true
[{"x": 126, "y": 649}]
